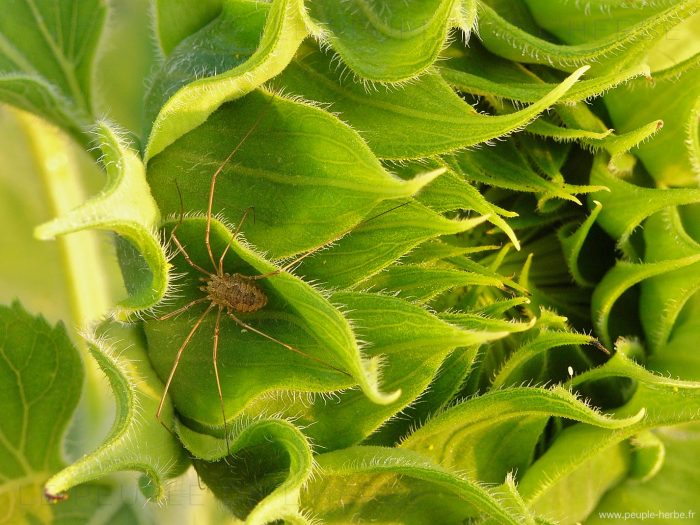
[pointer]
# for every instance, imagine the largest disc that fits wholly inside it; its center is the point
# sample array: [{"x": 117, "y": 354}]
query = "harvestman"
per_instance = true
[{"x": 231, "y": 293}]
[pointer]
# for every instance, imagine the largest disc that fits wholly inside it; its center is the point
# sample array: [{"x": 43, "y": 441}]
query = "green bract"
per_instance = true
[{"x": 474, "y": 229}]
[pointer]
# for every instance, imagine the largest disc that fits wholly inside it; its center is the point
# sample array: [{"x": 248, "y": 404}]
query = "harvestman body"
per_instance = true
[{"x": 230, "y": 293}]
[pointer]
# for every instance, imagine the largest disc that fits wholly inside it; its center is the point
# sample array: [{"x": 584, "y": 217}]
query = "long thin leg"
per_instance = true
[
  {"x": 182, "y": 209},
  {"x": 216, "y": 174},
  {"x": 238, "y": 229},
  {"x": 187, "y": 257},
  {"x": 320, "y": 246},
  {"x": 177, "y": 358},
  {"x": 182, "y": 309},
  {"x": 289, "y": 265},
  {"x": 177, "y": 241},
  {"x": 216, "y": 374},
  {"x": 288, "y": 347}
]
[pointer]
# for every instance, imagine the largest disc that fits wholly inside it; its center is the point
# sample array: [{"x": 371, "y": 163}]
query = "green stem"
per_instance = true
[
  {"x": 81, "y": 258},
  {"x": 87, "y": 282}
]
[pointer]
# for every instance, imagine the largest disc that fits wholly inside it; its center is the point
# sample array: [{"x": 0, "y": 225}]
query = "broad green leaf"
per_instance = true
[
  {"x": 412, "y": 342},
  {"x": 663, "y": 296},
  {"x": 572, "y": 238},
  {"x": 395, "y": 485},
  {"x": 367, "y": 174},
  {"x": 227, "y": 46},
  {"x": 47, "y": 52},
  {"x": 191, "y": 86},
  {"x": 126, "y": 207},
  {"x": 36, "y": 96},
  {"x": 495, "y": 433},
  {"x": 41, "y": 377},
  {"x": 626, "y": 205},
  {"x": 577, "y": 23},
  {"x": 137, "y": 440},
  {"x": 571, "y": 22},
  {"x": 423, "y": 118},
  {"x": 409, "y": 35},
  {"x": 299, "y": 199},
  {"x": 269, "y": 460},
  {"x": 610, "y": 53},
  {"x": 251, "y": 365},
  {"x": 670, "y": 495}
]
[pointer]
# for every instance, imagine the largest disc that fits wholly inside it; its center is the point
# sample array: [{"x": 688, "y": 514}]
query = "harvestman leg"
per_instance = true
[
  {"x": 174, "y": 238},
  {"x": 287, "y": 346},
  {"x": 233, "y": 237},
  {"x": 182, "y": 309},
  {"x": 178, "y": 356},
  {"x": 218, "y": 268},
  {"x": 184, "y": 253},
  {"x": 191, "y": 263},
  {"x": 319, "y": 247},
  {"x": 286, "y": 266},
  {"x": 213, "y": 184},
  {"x": 216, "y": 374}
]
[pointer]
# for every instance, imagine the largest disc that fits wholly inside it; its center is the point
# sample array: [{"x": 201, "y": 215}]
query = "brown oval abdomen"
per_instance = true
[{"x": 236, "y": 292}]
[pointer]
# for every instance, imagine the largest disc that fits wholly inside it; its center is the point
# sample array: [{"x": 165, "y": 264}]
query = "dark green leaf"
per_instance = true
[
  {"x": 300, "y": 201},
  {"x": 47, "y": 52},
  {"x": 246, "y": 45},
  {"x": 41, "y": 377},
  {"x": 410, "y": 35}
]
